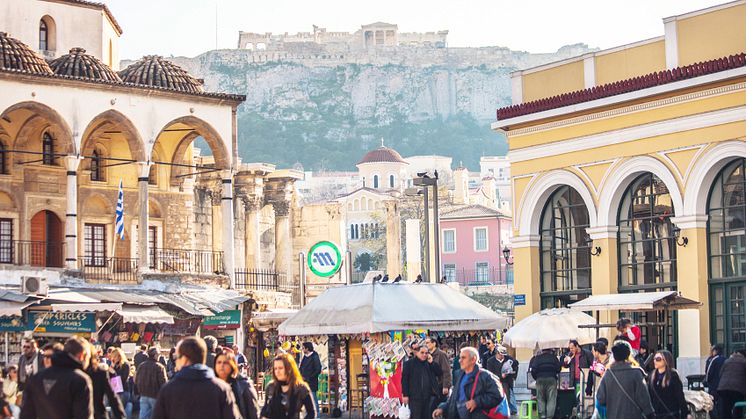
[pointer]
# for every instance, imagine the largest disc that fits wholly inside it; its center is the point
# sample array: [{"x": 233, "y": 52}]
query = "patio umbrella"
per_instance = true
[{"x": 551, "y": 328}]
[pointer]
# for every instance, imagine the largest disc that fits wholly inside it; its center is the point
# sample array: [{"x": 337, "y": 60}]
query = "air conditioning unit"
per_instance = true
[{"x": 34, "y": 285}]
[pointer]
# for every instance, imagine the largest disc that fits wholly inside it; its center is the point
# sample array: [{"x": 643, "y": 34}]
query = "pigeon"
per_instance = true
[
  {"x": 443, "y": 280},
  {"x": 397, "y": 279},
  {"x": 385, "y": 278},
  {"x": 377, "y": 278},
  {"x": 419, "y": 279}
]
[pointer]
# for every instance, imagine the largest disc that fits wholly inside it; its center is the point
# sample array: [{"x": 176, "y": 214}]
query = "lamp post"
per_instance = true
[{"x": 426, "y": 181}]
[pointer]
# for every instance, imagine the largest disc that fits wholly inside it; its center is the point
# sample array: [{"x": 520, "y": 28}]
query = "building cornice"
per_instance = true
[
  {"x": 518, "y": 242},
  {"x": 687, "y": 222},
  {"x": 602, "y": 232}
]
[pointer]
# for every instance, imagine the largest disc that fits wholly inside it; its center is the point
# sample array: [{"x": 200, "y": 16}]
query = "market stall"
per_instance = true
[{"x": 369, "y": 328}]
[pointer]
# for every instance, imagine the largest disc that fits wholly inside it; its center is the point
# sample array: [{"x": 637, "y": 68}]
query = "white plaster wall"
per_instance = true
[{"x": 368, "y": 170}]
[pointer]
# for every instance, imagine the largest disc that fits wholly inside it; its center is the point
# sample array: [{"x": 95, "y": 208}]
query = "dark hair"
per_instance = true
[
  {"x": 211, "y": 342},
  {"x": 600, "y": 347},
  {"x": 231, "y": 358},
  {"x": 171, "y": 353},
  {"x": 575, "y": 342},
  {"x": 291, "y": 370},
  {"x": 194, "y": 349},
  {"x": 76, "y": 346},
  {"x": 144, "y": 347},
  {"x": 308, "y": 345},
  {"x": 644, "y": 344},
  {"x": 623, "y": 323},
  {"x": 621, "y": 352},
  {"x": 54, "y": 346},
  {"x": 668, "y": 357},
  {"x": 433, "y": 340},
  {"x": 153, "y": 353},
  {"x": 718, "y": 349},
  {"x": 604, "y": 340}
]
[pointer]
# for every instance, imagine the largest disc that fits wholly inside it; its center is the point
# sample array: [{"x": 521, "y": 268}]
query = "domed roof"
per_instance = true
[
  {"x": 15, "y": 55},
  {"x": 153, "y": 70},
  {"x": 79, "y": 64},
  {"x": 382, "y": 155}
]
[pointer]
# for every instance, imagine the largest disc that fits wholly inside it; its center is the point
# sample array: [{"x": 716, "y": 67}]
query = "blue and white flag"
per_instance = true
[{"x": 119, "y": 226}]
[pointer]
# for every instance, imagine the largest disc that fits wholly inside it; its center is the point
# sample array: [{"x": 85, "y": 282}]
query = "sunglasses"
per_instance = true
[{"x": 658, "y": 358}]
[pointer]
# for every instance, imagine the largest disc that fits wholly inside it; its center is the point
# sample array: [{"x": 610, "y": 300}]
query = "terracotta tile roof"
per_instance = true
[
  {"x": 381, "y": 155},
  {"x": 15, "y": 55},
  {"x": 472, "y": 211},
  {"x": 624, "y": 86},
  {"x": 79, "y": 64},
  {"x": 95, "y": 5},
  {"x": 154, "y": 70}
]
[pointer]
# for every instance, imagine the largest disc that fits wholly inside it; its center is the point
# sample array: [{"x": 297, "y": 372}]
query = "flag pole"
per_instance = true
[{"x": 118, "y": 218}]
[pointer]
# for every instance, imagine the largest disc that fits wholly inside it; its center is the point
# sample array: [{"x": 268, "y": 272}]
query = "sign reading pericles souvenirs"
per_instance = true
[{"x": 324, "y": 259}]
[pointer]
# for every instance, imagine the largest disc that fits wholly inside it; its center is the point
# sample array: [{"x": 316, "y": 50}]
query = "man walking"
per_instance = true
[
  {"x": 446, "y": 379},
  {"x": 544, "y": 368},
  {"x": 506, "y": 368},
  {"x": 141, "y": 355},
  {"x": 419, "y": 383},
  {"x": 194, "y": 392},
  {"x": 212, "y": 345},
  {"x": 474, "y": 391},
  {"x": 623, "y": 391},
  {"x": 30, "y": 363},
  {"x": 713, "y": 367},
  {"x": 732, "y": 386},
  {"x": 64, "y": 390},
  {"x": 489, "y": 353},
  {"x": 150, "y": 377},
  {"x": 310, "y": 368}
]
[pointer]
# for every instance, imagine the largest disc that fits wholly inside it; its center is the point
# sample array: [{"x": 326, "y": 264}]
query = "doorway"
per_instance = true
[{"x": 46, "y": 245}]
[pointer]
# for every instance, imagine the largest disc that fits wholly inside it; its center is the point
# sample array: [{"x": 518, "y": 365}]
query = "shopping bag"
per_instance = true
[
  {"x": 502, "y": 410},
  {"x": 404, "y": 412},
  {"x": 116, "y": 384}
]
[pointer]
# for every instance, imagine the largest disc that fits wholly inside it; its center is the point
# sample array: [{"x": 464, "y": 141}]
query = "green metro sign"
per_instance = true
[{"x": 324, "y": 259}]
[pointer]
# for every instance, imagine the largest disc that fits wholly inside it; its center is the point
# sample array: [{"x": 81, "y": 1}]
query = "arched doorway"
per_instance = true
[{"x": 46, "y": 245}]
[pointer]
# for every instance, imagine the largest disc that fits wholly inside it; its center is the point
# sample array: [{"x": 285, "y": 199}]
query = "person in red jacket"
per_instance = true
[{"x": 631, "y": 332}]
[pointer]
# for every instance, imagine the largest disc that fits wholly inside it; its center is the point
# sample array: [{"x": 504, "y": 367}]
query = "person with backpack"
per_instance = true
[{"x": 623, "y": 393}]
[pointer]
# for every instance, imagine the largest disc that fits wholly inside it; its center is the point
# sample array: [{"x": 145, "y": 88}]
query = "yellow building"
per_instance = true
[{"x": 628, "y": 176}]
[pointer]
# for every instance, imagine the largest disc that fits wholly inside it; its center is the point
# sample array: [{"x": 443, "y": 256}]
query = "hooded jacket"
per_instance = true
[
  {"x": 194, "y": 392},
  {"x": 62, "y": 391},
  {"x": 630, "y": 401}
]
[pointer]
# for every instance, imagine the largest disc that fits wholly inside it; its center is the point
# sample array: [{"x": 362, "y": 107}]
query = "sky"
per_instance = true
[{"x": 188, "y": 27}]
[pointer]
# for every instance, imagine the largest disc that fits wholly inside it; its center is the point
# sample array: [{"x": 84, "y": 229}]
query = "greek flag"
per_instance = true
[{"x": 119, "y": 226}]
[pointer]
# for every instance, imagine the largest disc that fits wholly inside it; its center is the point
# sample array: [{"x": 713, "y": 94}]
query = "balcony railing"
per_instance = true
[
  {"x": 266, "y": 280},
  {"x": 32, "y": 253},
  {"x": 187, "y": 261},
  {"x": 490, "y": 276},
  {"x": 109, "y": 269}
]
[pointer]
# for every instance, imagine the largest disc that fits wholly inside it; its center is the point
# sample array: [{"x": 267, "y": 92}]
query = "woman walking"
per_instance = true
[
  {"x": 226, "y": 368},
  {"x": 121, "y": 366},
  {"x": 666, "y": 389},
  {"x": 101, "y": 380},
  {"x": 287, "y": 394}
]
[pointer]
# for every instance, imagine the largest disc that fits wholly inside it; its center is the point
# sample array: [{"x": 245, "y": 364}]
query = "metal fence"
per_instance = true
[
  {"x": 32, "y": 253},
  {"x": 187, "y": 261},
  {"x": 263, "y": 279},
  {"x": 471, "y": 277},
  {"x": 109, "y": 269}
]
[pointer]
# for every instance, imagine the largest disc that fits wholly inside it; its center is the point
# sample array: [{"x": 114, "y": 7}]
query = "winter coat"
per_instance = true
[
  {"x": 668, "y": 402},
  {"x": 194, "y": 392},
  {"x": 246, "y": 398},
  {"x": 69, "y": 394},
  {"x": 23, "y": 362},
  {"x": 441, "y": 359},
  {"x": 100, "y": 379},
  {"x": 301, "y": 397},
  {"x": 495, "y": 366},
  {"x": 150, "y": 377},
  {"x": 544, "y": 365},
  {"x": 713, "y": 368},
  {"x": 618, "y": 405},
  {"x": 419, "y": 379},
  {"x": 487, "y": 394},
  {"x": 310, "y": 368},
  {"x": 139, "y": 358},
  {"x": 123, "y": 370},
  {"x": 733, "y": 374}
]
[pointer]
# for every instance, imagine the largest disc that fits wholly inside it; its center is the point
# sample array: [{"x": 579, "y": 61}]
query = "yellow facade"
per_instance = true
[
  {"x": 678, "y": 137},
  {"x": 556, "y": 80}
]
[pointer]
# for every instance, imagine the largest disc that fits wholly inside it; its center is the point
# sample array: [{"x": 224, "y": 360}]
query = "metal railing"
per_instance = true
[
  {"x": 33, "y": 253},
  {"x": 187, "y": 261},
  {"x": 471, "y": 277},
  {"x": 108, "y": 269},
  {"x": 263, "y": 279}
]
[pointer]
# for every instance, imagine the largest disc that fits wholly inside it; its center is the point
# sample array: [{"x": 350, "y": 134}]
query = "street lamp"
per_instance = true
[
  {"x": 506, "y": 255},
  {"x": 423, "y": 179}
]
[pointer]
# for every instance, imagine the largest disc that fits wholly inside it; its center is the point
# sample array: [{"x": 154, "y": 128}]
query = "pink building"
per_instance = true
[{"x": 472, "y": 239}]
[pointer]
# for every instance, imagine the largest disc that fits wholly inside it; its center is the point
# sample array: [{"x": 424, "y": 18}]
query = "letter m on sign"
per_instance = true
[{"x": 324, "y": 259}]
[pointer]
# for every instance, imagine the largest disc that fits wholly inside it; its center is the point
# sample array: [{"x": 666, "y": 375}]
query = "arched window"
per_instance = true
[
  {"x": 565, "y": 249},
  {"x": 375, "y": 181},
  {"x": 47, "y": 149},
  {"x": 97, "y": 172},
  {"x": 43, "y": 36},
  {"x": 3, "y": 159},
  {"x": 647, "y": 248},
  {"x": 726, "y": 239},
  {"x": 391, "y": 181}
]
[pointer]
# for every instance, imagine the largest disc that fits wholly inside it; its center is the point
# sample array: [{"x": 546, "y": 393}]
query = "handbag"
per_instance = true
[{"x": 501, "y": 411}]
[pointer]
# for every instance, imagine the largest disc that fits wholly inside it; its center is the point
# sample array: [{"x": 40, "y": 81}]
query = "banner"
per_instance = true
[
  {"x": 229, "y": 319},
  {"x": 45, "y": 322}
]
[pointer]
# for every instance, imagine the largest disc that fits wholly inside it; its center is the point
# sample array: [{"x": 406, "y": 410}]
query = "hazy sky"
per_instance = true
[{"x": 187, "y": 27}]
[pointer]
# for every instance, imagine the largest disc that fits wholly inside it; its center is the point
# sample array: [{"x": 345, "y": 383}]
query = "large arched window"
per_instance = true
[
  {"x": 47, "y": 149},
  {"x": 647, "y": 247},
  {"x": 565, "y": 249},
  {"x": 97, "y": 171},
  {"x": 47, "y": 34},
  {"x": 727, "y": 249}
]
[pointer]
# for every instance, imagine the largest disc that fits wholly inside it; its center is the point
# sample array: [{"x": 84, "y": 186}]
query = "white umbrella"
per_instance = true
[{"x": 551, "y": 328}]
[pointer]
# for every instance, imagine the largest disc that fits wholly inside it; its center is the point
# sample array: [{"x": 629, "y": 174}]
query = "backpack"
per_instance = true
[{"x": 501, "y": 411}]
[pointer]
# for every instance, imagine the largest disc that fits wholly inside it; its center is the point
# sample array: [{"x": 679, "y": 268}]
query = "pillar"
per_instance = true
[
  {"x": 253, "y": 234},
  {"x": 143, "y": 251},
  {"x": 605, "y": 271},
  {"x": 527, "y": 282},
  {"x": 226, "y": 206},
  {"x": 283, "y": 248},
  {"x": 413, "y": 237},
  {"x": 692, "y": 268},
  {"x": 71, "y": 213},
  {"x": 393, "y": 239}
]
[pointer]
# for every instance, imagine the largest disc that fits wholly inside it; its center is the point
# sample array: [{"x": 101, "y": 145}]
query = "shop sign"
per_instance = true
[
  {"x": 229, "y": 319},
  {"x": 519, "y": 300},
  {"x": 62, "y": 322},
  {"x": 324, "y": 259},
  {"x": 12, "y": 324}
]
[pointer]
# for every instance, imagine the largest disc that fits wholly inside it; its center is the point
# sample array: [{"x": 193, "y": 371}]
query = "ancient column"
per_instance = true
[
  {"x": 71, "y": 214},
  {"x": 143, "y": 251},
  {"x": 227, "y": 212},
  {"x": 283, "y": 247},
  {"x": 253, "y": 234},
  {"x": 393, "y": 239}
]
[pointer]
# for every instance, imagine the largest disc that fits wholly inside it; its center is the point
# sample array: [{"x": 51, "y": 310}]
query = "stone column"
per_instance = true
[
  {"x": 253, "y": 234},
  {"x": 526, "y": 268},
  {"x": 71, "y": 213},
  {"x": 393, "y": 239},
  {"x": 227, "y": 212},
  {"x": 413, "y": 240},
  {"x": 283, "y": 246},
  {"x": 143, "y": 251}
]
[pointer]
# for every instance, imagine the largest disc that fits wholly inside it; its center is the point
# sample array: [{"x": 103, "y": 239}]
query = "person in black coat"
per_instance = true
[
  {"x": 713, "y": 367},
  {"x": 287, "y": 395},
  {"x": 666, "y": 389},
  {"x": 577, "y": 359},
  {"x": 195, "y": 392},
  {"x": 227, "y": 369},
  {"x": 70, "y": 394},
  {"x": 732, "y": 386},
  {"x": 475, "y": 390},
  {"x": 419, "y": 383},
  {"x": 310, "y": 369},
  {"x": 100, "y": 376}
]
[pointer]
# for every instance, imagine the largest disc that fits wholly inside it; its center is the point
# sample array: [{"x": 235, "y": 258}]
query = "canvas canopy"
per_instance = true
[
  {"x": 377, "y": 307},
  {"x": 145, "y": 314},
  {"x": 661, "y": 300}
]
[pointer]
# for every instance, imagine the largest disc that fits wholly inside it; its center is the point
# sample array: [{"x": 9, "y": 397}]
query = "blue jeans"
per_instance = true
[
  {"x": 512, "y": 403},
  {"x": 126, "y": 399},
  {"x": 315, "y": 402},
  {"x": 147, "y": 404}
]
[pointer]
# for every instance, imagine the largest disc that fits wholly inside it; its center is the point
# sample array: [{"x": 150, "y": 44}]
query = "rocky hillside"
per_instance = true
[{"x": 326, "y": 112}]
